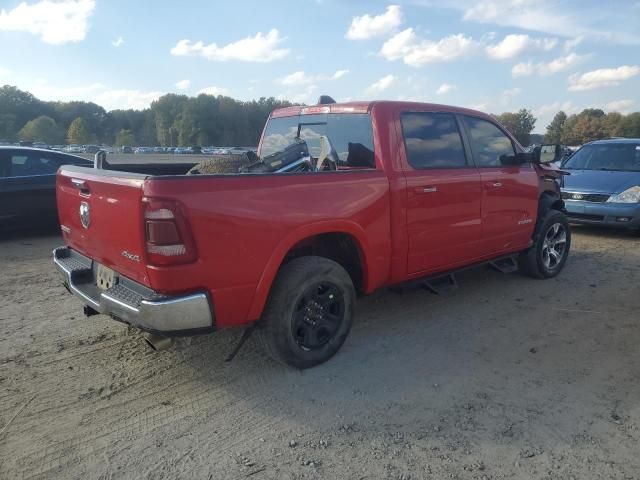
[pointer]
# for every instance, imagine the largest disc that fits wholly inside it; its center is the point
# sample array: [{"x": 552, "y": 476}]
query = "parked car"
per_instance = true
[
  {"x": 126, "y": 149},
  {"x": 143, "y": 150},
  {"x": 27, "y": 185},
  {"x": 604, "y": 185},
  {"x": 91, "y": 149},
  {"x": 158, "y": 150},
  {"x": 73, "y": 148},
  {"x": 41, "y": 145},
  {"x": 385, "y": 193},
  {"x": 182, "y": 151}
]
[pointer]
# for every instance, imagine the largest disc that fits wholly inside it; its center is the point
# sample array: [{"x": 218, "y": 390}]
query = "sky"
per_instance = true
[{"x": 492, "y": 55}]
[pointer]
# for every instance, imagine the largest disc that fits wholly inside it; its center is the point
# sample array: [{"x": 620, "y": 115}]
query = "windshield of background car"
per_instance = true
[
  {"x": 350, "y": 134},
  {"x": 606, "y": 156}
]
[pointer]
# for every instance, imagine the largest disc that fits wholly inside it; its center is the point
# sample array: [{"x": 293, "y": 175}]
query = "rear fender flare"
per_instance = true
[{"x": 293, "y": 238}]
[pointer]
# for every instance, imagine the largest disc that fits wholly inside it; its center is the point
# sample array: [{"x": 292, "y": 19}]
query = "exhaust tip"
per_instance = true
[{"x": 157, "y": 342}]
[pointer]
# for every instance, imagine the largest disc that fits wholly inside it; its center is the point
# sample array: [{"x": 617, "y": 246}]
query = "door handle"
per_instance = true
[
  {"x": 495, "y": 184},
  {"x": 80, "y": 185},
  {"x": 428, "y": 189}
]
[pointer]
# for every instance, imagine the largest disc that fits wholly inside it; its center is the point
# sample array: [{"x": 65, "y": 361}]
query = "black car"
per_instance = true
[{"x": 27, "y": 185}]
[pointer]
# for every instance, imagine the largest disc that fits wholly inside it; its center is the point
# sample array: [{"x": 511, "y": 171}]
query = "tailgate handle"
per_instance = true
[{"x": 80, "y": 185}]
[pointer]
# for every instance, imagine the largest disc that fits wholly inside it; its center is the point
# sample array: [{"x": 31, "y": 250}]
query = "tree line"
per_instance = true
[
  {"x": 172, "y": 120},
  {"x": 577, "y": 129},
  {"x": 179, "y": 120}
]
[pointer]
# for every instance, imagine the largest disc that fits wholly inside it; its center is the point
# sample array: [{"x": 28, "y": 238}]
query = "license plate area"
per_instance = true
[{"x": 105, "y": 277}]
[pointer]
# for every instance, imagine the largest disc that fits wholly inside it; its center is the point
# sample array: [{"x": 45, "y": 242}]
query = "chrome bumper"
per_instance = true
[{"x": 133, "y": 303}]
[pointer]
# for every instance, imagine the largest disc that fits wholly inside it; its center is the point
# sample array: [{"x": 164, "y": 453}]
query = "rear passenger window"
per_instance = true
[
  {"x": 32, "y": 164},
  {"x": 488, "y": 142},
  {"x": 432, "y": 140}
]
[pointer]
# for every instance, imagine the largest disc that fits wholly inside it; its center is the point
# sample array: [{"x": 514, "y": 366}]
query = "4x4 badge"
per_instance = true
[{"x": 85, "y": 214}]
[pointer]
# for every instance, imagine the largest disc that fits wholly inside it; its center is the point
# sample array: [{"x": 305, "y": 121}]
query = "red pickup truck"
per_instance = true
[{"x": 345, "y": 199}]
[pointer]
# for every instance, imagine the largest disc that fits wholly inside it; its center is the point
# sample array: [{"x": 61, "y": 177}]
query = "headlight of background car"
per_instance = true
[{"x": 631, "y": 195}]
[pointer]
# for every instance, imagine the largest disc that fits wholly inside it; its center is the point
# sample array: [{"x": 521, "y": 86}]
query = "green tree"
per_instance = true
[
  {"x": 520, "y": 124},
  {"x": 611, "y": 123},
  {"x": 79, "y": 132},
  {"x": 44, "y": 129},
  {"x": 125, "y": 138},
  {"x": 630, "y": 126},
  {"x": 554, "y": 129},
  {"x": 588, "y": 125},
  {"x": 17, "y": 108}
]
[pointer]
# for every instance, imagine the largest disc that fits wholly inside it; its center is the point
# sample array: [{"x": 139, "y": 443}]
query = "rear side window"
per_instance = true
[
  {"x": 32, "y": 164},
  {"x": 432, "y": 140},
  {"x": 488, "y": 142}
]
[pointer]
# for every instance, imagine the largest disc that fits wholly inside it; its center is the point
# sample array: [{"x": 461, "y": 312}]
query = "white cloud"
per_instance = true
[
  {"x": 523, "y": 69},
  {"x": 572, "y": 43},
  {"x": 259, "y": 48},
  {"x": 501, "y": 101},
  {"x": 125, "y": 99},
  {"x": 381, "y": 85},
  {"x": 604, "y": 77},
  {"x": 553, "y": 108},
  {"x": 513, "y": 45},
  {"x": 507, "y": 96},
  {"x": 297, "y": 79},
  {"x": 110, "y": 99},
  {"x": 213, "y": 90},
  {"x": 300, "y": 78},
  {"x": 339, "y": 74},
  {"x": 622, "y": 106},
  {"x": 367, "y": 26},
  {"x": 183, "y": 84},
  {"x": 555, "y": 17},
  {"x": 415, "y": 51},
  {"x": 545, "y": 113},
  {"x": 305, "y": 96},
  {"x": 54, "y": 22},
  {"x": 559, "y": 64},
  {"x": 548, "y": 16},
  {"x": 118, "y": 42},
  {"x": 445, "y": 88}
]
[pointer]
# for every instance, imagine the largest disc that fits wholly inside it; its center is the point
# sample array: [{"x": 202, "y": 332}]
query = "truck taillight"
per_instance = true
[{"x": 167, "y": 234}]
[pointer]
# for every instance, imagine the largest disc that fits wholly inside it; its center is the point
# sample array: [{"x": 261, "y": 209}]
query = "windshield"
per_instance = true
[
  {"x": 350, "y": 135},
  {"x": 606, "y": 156}
]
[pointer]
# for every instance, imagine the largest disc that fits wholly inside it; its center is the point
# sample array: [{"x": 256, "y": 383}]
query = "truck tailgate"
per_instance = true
[{"x": 100, "y": 214}]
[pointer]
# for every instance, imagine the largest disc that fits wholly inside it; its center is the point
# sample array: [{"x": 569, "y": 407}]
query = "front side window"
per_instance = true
[
  {"x": 489, "y": 144},
  {"x": 350, "y": 134},
  {"x": 606, "y": 156},
  {"x": 432, "y": 140}
]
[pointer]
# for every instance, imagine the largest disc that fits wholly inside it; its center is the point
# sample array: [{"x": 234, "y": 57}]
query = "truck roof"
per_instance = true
[{"x": 365, "y": 107}]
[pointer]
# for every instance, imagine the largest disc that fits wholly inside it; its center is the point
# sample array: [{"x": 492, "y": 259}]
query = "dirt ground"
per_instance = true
[{"x": 506, "y": 377}]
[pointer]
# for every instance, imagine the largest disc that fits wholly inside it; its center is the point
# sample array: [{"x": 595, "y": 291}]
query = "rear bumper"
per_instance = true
[
  {"x": 133, "y": 303},
  {"x": 618, "y": 215}
]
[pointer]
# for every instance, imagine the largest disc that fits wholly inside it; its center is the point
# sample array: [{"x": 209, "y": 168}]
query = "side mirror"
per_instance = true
[
  {"x": 549, "y": 153},
  {"x": 517, "y": 159}
]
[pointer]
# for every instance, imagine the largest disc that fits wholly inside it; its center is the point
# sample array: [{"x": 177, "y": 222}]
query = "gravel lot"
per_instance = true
[{"x": 506, "y": 377}]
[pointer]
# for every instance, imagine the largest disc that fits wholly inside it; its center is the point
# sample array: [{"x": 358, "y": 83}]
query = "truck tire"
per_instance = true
[
  {"x": 309, "y": 312},
  {"x": 550, "y": 249}
]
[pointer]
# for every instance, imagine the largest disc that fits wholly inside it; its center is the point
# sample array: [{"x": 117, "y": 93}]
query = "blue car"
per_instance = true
[{"x": 604, "y": 185}]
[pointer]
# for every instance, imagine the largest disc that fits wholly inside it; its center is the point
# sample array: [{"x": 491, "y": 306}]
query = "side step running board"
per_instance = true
[
  {"x": 442, "y": 284},
  {"x": 505, "y": 265}
]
